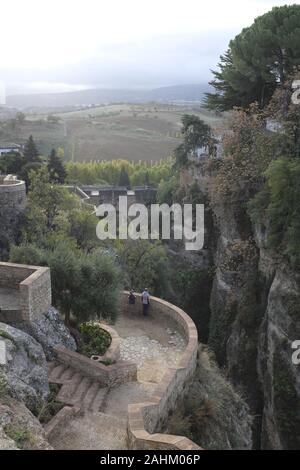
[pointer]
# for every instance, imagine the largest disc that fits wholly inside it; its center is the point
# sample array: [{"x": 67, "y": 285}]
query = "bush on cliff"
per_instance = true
[{"x": 277, "y": 206}]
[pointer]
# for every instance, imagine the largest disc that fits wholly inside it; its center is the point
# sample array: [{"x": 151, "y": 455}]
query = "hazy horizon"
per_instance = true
[{"x": 70, "y": 46}]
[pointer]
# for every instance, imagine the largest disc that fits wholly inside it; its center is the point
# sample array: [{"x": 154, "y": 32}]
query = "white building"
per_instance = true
[{"x": 9, "y": 148}]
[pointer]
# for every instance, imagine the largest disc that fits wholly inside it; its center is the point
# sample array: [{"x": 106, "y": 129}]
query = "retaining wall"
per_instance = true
[
  {"x": 113, "y": 351},
  {"x": 107, "y": 376}
]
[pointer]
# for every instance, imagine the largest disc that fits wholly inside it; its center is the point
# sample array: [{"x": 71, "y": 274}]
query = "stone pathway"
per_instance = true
[
  {"x": 151, "y": 357},
  {"x": 92, "y": 431},
  {"x": 153, "y": 347}
]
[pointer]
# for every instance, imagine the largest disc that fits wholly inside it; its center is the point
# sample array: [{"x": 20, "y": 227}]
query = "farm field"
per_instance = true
[{"x": 146, "y": 132}]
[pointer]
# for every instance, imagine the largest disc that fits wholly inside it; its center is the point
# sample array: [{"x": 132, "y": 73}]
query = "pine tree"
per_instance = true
[
  {"x": 258, "y": 60},
  {"x": 124, "y": 178},
  {"x": 31, "y": 153},
  {"x": 57, "y": 170}
]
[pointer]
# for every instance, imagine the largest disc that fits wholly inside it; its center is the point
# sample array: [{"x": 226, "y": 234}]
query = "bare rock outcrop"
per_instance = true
[
  {"x": 50, "y": 331},
  {"x": 25, "y": 370},
  {"x": 19, "y": 428}
]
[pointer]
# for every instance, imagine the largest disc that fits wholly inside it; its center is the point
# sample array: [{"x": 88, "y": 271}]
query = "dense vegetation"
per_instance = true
[
  {"x": 87, "y": 274},
  {"x": 109, "y": 172}
]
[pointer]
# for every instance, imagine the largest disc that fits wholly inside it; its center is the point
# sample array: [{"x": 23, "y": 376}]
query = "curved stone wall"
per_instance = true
[
  {"x": 145, "y": 420},
  {"x": 12, "y": 204},
  {"x": 113, "y": 351},
  {"x": 12, "y": 194}
]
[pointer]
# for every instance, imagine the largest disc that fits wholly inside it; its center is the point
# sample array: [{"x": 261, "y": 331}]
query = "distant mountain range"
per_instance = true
[{"x": 100, "y": 96}]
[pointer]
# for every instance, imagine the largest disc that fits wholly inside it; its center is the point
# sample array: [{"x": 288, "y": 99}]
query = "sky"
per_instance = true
[{"x": 65, "y": 45}]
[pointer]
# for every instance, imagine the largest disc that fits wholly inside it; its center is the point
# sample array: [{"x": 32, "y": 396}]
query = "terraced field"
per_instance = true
[{"x": 120, "y": 131}]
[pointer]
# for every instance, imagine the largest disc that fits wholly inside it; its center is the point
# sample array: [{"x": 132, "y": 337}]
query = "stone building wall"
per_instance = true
[
  {"x": 12, "y": 194},
  {"x": 28, "y": 287},
  {"x": 12, "y": 204}
]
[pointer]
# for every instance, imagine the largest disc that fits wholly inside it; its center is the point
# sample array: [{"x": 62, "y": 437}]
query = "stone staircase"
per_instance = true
[
  {"x": 77, "y": 389},
  {"x": 98, "y": 431},
  {"x": 82, "y": 423}
]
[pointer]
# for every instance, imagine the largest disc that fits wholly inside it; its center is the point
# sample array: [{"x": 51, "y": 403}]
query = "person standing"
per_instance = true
[
  {"x": 145, "y": 301},
  {"x": 131, "y": 297}
]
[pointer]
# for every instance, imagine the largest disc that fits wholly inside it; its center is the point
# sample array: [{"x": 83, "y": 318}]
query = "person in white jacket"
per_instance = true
[{"x": 145, "y": 301}]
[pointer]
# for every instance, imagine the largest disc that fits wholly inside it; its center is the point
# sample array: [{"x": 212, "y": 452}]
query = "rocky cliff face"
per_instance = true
[
  {"x": 254, "y": 304},
  {"x": 25, "y": 371},
  {"x": 24, "y": 386},
  {"x": 19, "y": 428},
  {"x": 279, "y": 377},
  {"x": 50, "y": 331}
]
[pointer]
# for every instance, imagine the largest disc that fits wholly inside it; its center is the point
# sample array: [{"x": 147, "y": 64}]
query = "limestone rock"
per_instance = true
[
  {"x": 25, "y": 371},
  {"x": 19, "y": 428},
  {"x": 5, "y": 442},
  {"x": 50, "y": 331}
]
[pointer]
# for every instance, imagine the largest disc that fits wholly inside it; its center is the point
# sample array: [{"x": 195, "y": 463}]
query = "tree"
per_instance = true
[
  {"x": 258, "y": 60},
  {"x": 46, "y": 201},
  {"x": 31, "y": 153},
  {"x": 97, "y": 295},
  {"x": 147, "y": 179},
  {"x": 56, "y": 168},
  {"x": 196, "y": 134},
  {"x": 12, "y": 163},
  {"x": 83, "y": 228},
  {"x": 84, "y": 286},
  {"x": 124, "y": 178},
  {"x": 20, "y": 117},
  {"x": 145, "y": 264},
  {"x": 51, "y": 118}
]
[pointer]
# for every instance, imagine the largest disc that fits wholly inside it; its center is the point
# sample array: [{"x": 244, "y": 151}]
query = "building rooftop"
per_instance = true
[{"x": 5, "y": 145}]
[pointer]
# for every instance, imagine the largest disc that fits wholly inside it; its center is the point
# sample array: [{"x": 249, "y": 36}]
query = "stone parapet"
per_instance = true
[
  {"x": 146, "y": 419},
  {"x": 29, "y": 287},
  {"x": 107, "y": 376}
]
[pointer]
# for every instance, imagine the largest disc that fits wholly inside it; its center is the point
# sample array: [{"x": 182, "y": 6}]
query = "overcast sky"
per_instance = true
[{"x": 58, "y": 45}]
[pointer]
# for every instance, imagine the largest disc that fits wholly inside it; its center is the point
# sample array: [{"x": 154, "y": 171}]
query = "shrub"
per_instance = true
[
  {"x": 20, "y": 435},
  {"x": 278, "y": 206},
  {"x": 95, "y": 340},
  {"x": 52, "y": 407}
]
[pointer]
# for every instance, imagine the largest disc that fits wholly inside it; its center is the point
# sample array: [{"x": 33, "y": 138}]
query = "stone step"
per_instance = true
[
  {"x": 99, "y": 399},
  {"x": 67, "y": 374},
  {"x": 90, "y": 395},
  {"x": 112, "y": 422},
  {"x": 56, "y": 373},
  {"x": 51, "y": 366},
  {"x": 68, "y": 389},
  {"x": 80, "y": 391}
]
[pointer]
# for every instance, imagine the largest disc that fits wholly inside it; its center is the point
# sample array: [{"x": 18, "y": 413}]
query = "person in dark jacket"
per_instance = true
[{"x": 131, "y": 298}]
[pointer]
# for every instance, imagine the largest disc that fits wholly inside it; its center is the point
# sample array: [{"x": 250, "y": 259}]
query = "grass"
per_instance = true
[
  {"x": 5, "y": 335},
  {"x": 52, "y": 407},
  {"x": 21, "y": 436}
]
